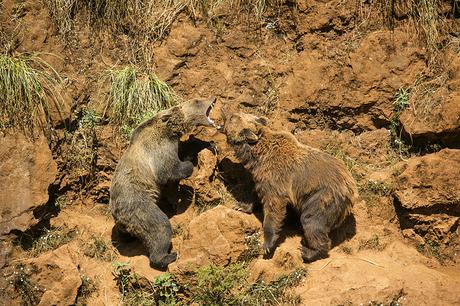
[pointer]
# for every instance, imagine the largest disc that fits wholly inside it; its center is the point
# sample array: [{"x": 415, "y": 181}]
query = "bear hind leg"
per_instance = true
[
  {"x": 158, "y": 239},
  {"x": 317, "y": 241},
  {"x": 152, "y": 227}
]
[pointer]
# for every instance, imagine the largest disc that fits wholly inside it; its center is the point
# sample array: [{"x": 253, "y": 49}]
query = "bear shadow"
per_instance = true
[
  {"x": 345, "y": 232},
  {"x": 126, "y": 244}
]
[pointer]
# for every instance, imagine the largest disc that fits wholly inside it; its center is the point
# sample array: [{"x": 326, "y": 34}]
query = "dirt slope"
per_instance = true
[{"x": 327, "y": 71}]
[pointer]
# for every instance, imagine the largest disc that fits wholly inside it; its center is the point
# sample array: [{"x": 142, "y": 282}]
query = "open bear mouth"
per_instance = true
[{"x": 208, "y": 111}]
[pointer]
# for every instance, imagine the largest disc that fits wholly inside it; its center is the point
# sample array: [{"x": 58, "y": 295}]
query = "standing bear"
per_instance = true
[
  {"x": 151, "y": 161},
  {"x": 315, "y": 184}
]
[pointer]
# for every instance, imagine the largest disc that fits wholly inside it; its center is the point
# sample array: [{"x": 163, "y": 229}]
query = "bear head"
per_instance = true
[{"x": 242, "y": 128}]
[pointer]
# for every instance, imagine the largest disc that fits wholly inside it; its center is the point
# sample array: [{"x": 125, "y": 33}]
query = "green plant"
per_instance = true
[
  {"x": 347, "y": 249},
  {"x": 89, "y": 118},
  {"x": 166, "y": 289},
  {"x": 137, "y": 290},
  {"x": 98, "y": 248},
  {"x": 38, "y": 241},
  {"x": 61, "y": 202},
  {"x": 372, "y": 190},
  {"x": 216, "y": 285},
  {"x": 28, "y": 85},
  {"x": 337, "y": 151},
  {"x": 371, "y": 243},
  {"x": 29, "y": 290},
  {"x": 253, "y": 248},
  {"x": 400, "y": 103},
  {"x": 432, "y": 248},
  {"x": 52, "y": 239},
  {"x": 134, "y": 96},
  {"x": 275, "y": 292},
  {"x": 86, "y": 289},
  {"x": 178, "y": 230},
  {"x": 81, "y": 158},
  {"x": 203, "y": 205}
]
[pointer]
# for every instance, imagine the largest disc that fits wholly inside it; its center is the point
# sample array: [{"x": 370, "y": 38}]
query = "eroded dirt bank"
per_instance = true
[{"x": 330, "y": 72}]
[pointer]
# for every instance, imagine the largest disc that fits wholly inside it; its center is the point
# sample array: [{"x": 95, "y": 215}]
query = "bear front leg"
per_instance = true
[
  {"x": 183, "y": 169},
  {"x": 274, "y": 214}
]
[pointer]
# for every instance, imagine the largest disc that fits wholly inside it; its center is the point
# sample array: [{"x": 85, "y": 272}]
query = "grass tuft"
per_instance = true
[
  {"x": 275, "y": 292},
  {"x": 29, "y": 290},
  {"x": 217, "y": 285},
  {"x": 373, "y": 243},
  {"x": 253, "y": 248},
  {"x": 82, "y": 154},
  {"x": 207, "y": 285},
  {"x": 134, "y": 96},
  {"x": 45, "y": 240},
  {"x": 87, "y": 288},
  {"x": 28, "y": 87},
  {"x": 400, "y": 103},
  {"x": 137, "y": 290},
  {"x": 100, "y": 249},
  {"x": 426, "y": 16}
]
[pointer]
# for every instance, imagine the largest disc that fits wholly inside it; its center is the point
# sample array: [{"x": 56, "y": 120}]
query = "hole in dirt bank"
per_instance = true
[
  {"x": 26, "y": 239},
  {"x": 126, "y": 244},
  {"x": 346, "y": 231},
  {"x": 189, "y": 149},
  {"x": 430, "y": 142}
]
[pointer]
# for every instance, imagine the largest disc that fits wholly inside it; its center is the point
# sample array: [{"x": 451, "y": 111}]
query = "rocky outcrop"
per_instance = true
[
  {"x": 436, "y": 122},
  {"x": 216, "y": 236},
  {"x": 430, "y": 182},
  {"x": 428, "y": 193},
  {"x": 26, "y": 171},
  {"x": 203, "y": 181},
  {"x": 57, "y": 275},
  {"x": 434, "y": 115}
]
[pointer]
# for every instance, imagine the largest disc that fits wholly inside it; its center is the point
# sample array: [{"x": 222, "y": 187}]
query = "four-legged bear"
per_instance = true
[{"x": 317, "y": 185}]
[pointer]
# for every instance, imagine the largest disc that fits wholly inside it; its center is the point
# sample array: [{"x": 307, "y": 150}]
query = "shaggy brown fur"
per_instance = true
[
  {"x": 286, "y": 172},
  {"x": 151, "y": 161}
]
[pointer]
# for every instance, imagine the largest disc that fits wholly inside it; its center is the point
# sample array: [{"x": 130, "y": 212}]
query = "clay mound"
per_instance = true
[
  {"x": 397, "y": 275},
  {"x": 26, "y": 171},
  {"x": 216, "y": 236},
  {"x": 430, "y": 182}
]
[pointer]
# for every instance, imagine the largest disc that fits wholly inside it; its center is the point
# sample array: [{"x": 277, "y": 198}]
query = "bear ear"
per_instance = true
[
  {"x": 249, "y": 136},
  {"x": 166, "y": 116},
  {"x": 262, "y": 120}
]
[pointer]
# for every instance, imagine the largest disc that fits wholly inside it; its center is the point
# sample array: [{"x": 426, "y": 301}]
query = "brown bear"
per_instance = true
[
  {"x": 315, "y": 184},
  {"x": 149, "y": 163}
]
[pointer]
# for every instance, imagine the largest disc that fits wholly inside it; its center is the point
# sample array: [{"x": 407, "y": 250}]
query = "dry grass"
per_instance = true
[
  {"x": 147, "y": 18},
  {"x": 151, "y": 18},
  {"x": 28, "y": 87},
  {"x": 134, "y": 96},
  {"x": 82, "y": 153},
  {"x": 144, "y": 22},
  {"x": 99, "y": 249},
  {"x": 215, "y": 8},
  {"x": 426, "y": 17}
]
